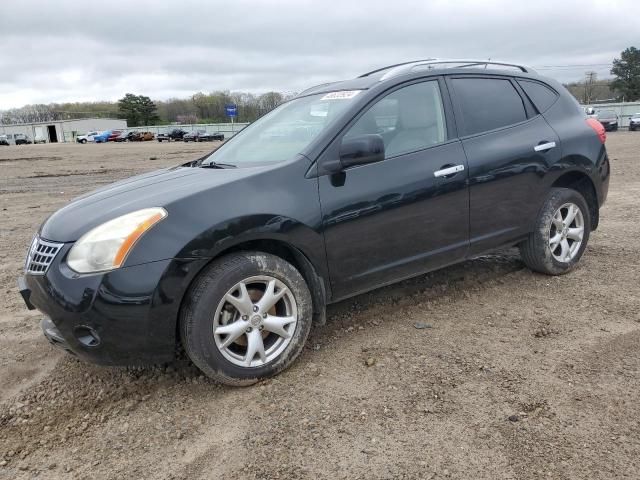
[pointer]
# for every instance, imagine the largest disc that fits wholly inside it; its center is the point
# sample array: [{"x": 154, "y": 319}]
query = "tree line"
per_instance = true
[
  {"x": 141, "y": 110},
  {"x": 623, "y": 87},
  {"x": 210, "y": 107}
]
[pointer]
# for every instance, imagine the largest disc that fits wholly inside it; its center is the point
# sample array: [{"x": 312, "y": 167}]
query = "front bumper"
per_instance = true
[
  {"x": 54, "y": 336},
  {"x": 126, "y": 316}
]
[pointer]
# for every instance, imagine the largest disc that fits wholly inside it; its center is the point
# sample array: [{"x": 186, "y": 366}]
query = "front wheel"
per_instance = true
[
  {"x": 246, "y": 318},
  {"x": 561, "y": 233}
]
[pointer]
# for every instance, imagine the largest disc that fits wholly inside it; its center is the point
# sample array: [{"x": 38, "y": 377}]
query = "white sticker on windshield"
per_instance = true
[{"x": 341, "y": 95}]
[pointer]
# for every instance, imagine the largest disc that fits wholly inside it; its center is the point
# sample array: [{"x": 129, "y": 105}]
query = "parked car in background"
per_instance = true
[
  {"x": 233, "y": 256},
  {"x": 4, "y": 140},
  {"x": 142, "y": 137},
  {"x": 608, "y": 119},
  {"x": 134, "y": 137},
  {"x": 123, "y": 136},
  {"x": 88, "y": 137},
  {"x": 114, "y": 134},
  {"x": 102, "y": 137},
  {"x": 202, "y": 136},
  {"x": 634, "y": 122},
  {"x": 39, "y": 139},
  {"x": 22, "y": 139},
  {"x": 176, "y": 135}
]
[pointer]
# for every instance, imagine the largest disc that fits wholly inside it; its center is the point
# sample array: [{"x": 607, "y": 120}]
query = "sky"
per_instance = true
[{"x": 67, "y": 50}]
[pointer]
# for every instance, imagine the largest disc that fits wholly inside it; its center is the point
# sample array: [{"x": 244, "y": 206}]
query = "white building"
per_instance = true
[{"x": 62, "y": 130}]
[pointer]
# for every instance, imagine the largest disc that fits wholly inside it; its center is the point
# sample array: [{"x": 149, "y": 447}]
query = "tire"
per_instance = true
[
  {"x": 537, "y": 251},
  {"x": 206, "y": 307}
]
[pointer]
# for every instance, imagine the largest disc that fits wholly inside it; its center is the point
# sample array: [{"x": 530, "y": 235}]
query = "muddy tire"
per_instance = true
[
  {"x": 247, "y": 317},
  {"x": 561, "y": 233}
]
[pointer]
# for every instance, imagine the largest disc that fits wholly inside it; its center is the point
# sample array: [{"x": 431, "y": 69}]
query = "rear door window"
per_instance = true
[
  {"x": 541, "y": 96},
  {"x": 488, "y": 103}
]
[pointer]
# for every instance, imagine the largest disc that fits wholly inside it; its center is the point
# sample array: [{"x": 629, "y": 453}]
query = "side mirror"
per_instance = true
[{"x": 361, "y": 149}]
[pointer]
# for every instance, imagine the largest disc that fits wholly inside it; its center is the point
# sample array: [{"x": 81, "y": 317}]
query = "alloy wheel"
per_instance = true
[
  {"x": 566, "y": 232},
  {"x": 255, "y": 321}
]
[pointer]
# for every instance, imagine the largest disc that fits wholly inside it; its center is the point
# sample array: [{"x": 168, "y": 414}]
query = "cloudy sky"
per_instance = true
[{"x": 67, "y": 50}]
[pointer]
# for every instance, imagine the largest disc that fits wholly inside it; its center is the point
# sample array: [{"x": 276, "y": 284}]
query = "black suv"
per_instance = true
[
  {"x": 203, "y": 136},
  {"x": 345, "y": 188},
  {"x": 176, "y": 135}
]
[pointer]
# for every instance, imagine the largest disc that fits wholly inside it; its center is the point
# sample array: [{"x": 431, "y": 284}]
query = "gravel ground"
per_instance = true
[{"x": 510, "y": 375}]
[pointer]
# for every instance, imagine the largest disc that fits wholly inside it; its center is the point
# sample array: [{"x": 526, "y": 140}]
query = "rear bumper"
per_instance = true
[
  {"x": 604, "y": 174},
  {"x": 123, "y": 317}
]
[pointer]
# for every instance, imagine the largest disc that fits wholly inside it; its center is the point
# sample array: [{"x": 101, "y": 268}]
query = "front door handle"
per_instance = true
[
  {"x": 445, "y": 172},
  {"x": 543, "y": 147}
]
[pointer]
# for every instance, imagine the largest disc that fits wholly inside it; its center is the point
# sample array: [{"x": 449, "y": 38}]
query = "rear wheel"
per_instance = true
[
  {"x": 247, "y": 317},
  {"x": 561, "y": 233}
]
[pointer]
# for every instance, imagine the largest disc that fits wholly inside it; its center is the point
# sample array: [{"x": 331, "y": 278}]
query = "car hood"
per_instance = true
[{"x": 161, "y": 188}]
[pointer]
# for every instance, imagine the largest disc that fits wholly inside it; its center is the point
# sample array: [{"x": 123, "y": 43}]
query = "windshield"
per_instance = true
[
  {"x": 285, "y": 131},
  {"x": 606, "y": 113}
]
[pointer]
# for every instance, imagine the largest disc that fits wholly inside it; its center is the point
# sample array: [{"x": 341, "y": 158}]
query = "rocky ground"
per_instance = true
[{"x": 482, "y": 370}]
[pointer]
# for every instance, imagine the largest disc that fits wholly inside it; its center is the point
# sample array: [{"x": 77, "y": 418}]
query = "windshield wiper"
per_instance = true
[{"x": 218, "y": 165}]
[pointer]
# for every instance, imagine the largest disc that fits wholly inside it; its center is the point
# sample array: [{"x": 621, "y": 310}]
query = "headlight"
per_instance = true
[{"x": 106, "y": 247}]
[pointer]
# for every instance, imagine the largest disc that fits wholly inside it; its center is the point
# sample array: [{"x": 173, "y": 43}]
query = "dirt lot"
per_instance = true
[{"x": 516, "y": 375}]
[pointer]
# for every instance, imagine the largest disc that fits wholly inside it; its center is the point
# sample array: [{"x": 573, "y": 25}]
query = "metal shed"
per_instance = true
[{"x": 62, "y": 130}]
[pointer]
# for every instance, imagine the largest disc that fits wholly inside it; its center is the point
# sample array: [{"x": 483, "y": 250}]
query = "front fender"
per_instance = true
[{"x": 276, "y": 204}]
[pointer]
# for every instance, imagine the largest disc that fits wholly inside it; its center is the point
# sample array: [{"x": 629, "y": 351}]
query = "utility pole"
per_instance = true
[{"x": 589, "y": 81}]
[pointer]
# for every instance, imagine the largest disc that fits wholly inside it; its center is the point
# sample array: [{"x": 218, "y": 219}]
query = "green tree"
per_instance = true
[
  {"x": 137, "y": 109},
  {"x": 627, "y": 72},
  {"x": 147, "y": 110}
]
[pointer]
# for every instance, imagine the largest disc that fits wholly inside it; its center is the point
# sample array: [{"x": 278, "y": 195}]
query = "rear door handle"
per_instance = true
[
  {"x": 543, "y": 147},
  {"x": 445, "y": 172}
]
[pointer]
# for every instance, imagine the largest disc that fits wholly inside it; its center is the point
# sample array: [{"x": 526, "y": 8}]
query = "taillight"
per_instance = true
[{"x": 598, "y": 128}]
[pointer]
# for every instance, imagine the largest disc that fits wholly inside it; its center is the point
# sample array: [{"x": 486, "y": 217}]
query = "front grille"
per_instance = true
[{"x": 40, "y": 256}]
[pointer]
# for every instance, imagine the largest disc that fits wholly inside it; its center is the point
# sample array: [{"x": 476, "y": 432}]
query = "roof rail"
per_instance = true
[
  {"x": 400, "y": 68},
  {"x": 310, "y": 89},
  {"x": 395, "y": 65}
]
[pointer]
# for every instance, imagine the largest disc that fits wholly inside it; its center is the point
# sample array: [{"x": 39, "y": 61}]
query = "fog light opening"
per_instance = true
[{"x": 87, "y": 336}]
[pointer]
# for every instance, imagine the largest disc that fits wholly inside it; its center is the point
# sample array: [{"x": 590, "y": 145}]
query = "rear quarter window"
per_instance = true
[
  {"x": 541, "y": 95},
  {"x": 488, "y": 103}
]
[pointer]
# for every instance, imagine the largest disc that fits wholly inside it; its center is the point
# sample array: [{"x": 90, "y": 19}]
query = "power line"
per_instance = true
[{"x": 584, "y": 65}]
